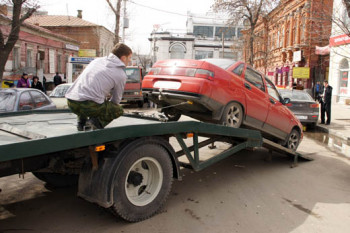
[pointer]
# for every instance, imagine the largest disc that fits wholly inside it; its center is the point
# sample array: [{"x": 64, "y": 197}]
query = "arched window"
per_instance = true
[
  {"x": 177, "y": 51},
  {"x": 343, "y": 77}
]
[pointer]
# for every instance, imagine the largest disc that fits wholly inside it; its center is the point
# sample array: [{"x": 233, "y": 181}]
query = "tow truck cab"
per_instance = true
[{"x": 133, "y": 86}]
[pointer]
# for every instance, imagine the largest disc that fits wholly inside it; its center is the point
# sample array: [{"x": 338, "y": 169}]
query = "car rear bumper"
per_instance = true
[{"x": 186, "y": 102}]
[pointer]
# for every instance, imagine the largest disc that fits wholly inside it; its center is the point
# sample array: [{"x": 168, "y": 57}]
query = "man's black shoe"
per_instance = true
[
  {"x": 322, "y": 123},
  {"x": 328, "y": 123},
  {"x": 94, "y": 123},
  {"x": 81, "y": 125}
]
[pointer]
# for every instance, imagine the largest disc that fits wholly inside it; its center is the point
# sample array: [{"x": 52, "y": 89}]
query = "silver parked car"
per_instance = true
[
  {"x": 20, "y": 99},
  {"x": 58, "y": 95},
  {"x": 302, "y": 105}
]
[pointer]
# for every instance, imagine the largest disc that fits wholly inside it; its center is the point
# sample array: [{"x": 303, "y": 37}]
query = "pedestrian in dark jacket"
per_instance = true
[
  {"x": 37, "y": 84},
  {"x": 24, "y": 81},
  {"x": 326, "y": 102},
  {"x": 57, "y": 80}
]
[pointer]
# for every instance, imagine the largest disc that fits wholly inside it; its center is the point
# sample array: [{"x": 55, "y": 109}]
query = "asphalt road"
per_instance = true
[{"x": 244, "y": 193}]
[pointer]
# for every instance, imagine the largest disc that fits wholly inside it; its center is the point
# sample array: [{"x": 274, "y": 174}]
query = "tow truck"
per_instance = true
[{"x": 127, "y": 167}]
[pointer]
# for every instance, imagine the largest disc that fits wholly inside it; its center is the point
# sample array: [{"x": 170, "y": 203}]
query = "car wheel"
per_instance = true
[
  {"x": 293, "y": 140},
  {"x": 172, "y": 114},
  {"x": 233, "y": 115}
]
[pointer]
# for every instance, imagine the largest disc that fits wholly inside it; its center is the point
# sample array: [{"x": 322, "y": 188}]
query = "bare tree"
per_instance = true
[
  {"x": 22, "y": 10},
  {"x": 347, "y": 6},
  {"x": 250, "y": 11},
  {"x": 116, "y": 11}
]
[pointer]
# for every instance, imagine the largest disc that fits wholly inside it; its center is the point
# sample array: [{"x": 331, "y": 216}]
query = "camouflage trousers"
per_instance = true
[{"x": 105, "y": 112}]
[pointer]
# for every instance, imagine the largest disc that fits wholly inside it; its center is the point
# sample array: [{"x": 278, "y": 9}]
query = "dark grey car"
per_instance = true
[
  {"x": 20, "y": 99},
  {"x": 302, "y": 105}
]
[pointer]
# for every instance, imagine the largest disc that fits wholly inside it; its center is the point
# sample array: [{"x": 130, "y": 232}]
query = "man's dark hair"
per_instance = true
[
  {"x": 121, "y": 49},
  {"x": 326, "y": 82}
]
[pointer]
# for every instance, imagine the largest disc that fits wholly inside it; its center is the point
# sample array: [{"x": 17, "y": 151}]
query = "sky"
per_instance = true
[{"x": 142, "y": 14}]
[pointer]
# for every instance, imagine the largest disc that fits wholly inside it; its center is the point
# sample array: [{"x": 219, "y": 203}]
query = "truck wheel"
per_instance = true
[
  {"x": 233, "y": 115},
  {"x": 140, "y": 103},
  {"x": 57, "y": 180},
  {"x": 172, "y": 114},
  {"x": 142, "y": 182},
  {"x": 293, "y": 140}
]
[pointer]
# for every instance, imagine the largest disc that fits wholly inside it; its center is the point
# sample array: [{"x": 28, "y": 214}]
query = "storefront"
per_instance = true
[{"x": 340, "y": 67}]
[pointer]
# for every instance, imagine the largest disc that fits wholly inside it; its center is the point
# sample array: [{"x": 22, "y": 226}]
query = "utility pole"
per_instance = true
[
  {"x": 125, "y": 21},
  {"x": 223, "y": 44}
]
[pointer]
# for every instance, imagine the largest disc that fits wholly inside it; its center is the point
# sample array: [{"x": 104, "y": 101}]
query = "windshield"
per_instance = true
[
  {"x": 222, "y": 63},
  {"x": 7, "y": 101},
  {"x": 296, "y": 95},
  {"x": 60, "y": 91},
  {"x": 133, "y": 75}
]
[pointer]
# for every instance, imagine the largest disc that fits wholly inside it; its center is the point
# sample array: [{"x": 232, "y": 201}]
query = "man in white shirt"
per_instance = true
[{"x": 104, "y": 76}]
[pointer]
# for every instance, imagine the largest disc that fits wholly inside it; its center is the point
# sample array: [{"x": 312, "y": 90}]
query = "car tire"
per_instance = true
[
  {"x": 233, "y": 115},
  {"x": 172, "y": 114},
  {"x": 293, "y": 140}
]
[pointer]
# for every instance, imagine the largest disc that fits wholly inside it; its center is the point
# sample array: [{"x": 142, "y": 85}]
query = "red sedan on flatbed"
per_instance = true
[{"x": 222, "y": 91}]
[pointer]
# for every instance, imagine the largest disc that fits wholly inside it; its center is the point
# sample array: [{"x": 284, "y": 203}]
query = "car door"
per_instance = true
[
  {"x": 25, "y": 102},
  {"x": 278, "y": 121},
  {"x": 256, "y": 99},
  {"x": 40, "y": 100}
]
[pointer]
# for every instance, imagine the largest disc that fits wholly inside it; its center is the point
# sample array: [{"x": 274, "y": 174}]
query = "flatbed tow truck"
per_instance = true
[{"x": 128, "y": 167}]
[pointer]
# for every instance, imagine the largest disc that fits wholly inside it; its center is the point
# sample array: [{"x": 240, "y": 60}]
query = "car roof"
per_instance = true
[{"x": 16, "y": 89}]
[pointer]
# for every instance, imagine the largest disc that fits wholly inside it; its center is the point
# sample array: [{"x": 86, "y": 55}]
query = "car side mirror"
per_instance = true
[{"x": 286, "y": 100}]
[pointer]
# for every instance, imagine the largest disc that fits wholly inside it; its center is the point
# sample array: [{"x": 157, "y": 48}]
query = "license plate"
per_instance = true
[
  {"x": 167, "y": 85},
  {"x": 302, "y": 117}
]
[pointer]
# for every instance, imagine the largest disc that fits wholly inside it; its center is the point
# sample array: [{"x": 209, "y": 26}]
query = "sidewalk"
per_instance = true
[{"x": 340, "y": 121}]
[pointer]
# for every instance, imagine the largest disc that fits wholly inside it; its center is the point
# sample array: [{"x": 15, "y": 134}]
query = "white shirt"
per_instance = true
[{"x": 103, "y": 76}]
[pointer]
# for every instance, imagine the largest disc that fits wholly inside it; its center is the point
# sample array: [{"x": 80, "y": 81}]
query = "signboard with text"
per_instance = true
[
  {"x": 87, "y": 53},
  {"x": 339, "y": 40},
  {"x": 301, "y": 72}
]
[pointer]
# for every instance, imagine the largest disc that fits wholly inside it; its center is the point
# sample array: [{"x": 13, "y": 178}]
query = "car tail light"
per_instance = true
[
  {"x": 200, "y": 73},
  {"x": 181, "y": 71},
  {"x": 289, "y": 105},
  {"x": 314, "y": 116},
  {"x": 314, "y": 105},
  {"x": 155, "y": 71}
]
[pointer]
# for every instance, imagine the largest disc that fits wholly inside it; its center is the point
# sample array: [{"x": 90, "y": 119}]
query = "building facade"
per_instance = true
[
  {"x": 339, "y": 68},
  {"x": 95, "y": 40},
  {"x": 38, "y": 51},
  {"x": 286, "y": 40},
  {"x": 206, "y": 36}
]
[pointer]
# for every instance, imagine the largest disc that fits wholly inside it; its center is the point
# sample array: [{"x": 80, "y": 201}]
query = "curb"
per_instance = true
[{"x": 333, "y": 132}]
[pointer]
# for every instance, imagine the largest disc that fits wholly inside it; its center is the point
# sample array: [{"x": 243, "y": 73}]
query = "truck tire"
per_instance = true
[
  {"x": 57, "y": 180},
  {"x": 142, "y": 183},
  {"x": 140, "y": 103},
  {"x": 172, "y": 114},
  {"x": 233, "y": 115}
]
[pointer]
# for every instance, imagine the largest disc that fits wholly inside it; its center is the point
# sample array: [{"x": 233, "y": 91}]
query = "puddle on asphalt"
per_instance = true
[{"x": 333, "y": 143}]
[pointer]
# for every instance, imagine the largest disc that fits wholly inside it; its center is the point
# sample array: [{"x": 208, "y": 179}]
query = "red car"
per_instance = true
[{"x": 225, "y": 92}]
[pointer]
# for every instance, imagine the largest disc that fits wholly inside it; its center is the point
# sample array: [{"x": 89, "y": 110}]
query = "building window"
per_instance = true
[
  {"x": 177, "y": 51},
  {"x": 344, "y": 77},
  {"x": 282, "y": 38},
  {"x": 29, "y": 58},
  {"x": 302, "y": 31},
  {"x": 239, "y": 33},
  {"x": 228, "y": 55},
  {"x": 16, "y": 61},
  {"x": 228, "y": 32},
  {"x": 205, "y": 31},
  {"x": 203, "y": 54},
  {"x": 59, "y": 63}
]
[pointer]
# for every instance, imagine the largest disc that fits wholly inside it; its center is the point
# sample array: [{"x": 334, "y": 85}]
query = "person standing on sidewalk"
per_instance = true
[
  {"x": 57, "y": 80},
  {"x": 326, "y": 101},
  {"x": 104, "y": 76},
  {"x": 24, "y": 81}
]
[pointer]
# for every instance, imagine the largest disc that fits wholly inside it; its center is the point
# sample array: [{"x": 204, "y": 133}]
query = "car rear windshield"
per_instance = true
[
  {"x": 7, "y": 101},
  {"x": 133, "y": 75},
  {"x": 222, "y": 63},
  {"x": 60, "y": 91},
  {"x": 296, "y": 95}
]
